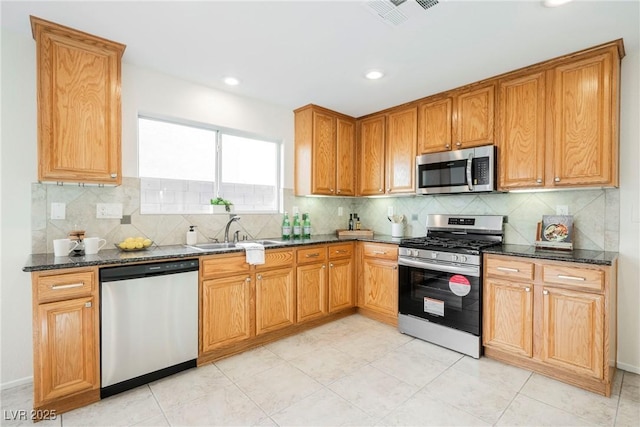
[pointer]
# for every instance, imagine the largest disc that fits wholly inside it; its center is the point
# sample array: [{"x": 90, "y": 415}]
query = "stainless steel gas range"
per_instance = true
[{"x": 440, "y": 280}]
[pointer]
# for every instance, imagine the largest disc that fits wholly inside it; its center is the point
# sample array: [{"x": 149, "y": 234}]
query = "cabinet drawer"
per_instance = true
[
  {"x": 223, "y": 265},
  {"x": 275, "y": 258},
  {"x": 573, "y": 276},
  {"x": 341, "y": 251},
  {"x": 65, "y": 286},
  {"x": 312, "y": 254},
  {"x": 508, "y": 268},
  {"x": 374, "y": 250}
]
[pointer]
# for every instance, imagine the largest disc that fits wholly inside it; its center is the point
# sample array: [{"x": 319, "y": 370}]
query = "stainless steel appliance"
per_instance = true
[
  {"x": 149, "y": 322},
  {"x": 471, "y": 170},
  {"x": 440, "y": 280}
]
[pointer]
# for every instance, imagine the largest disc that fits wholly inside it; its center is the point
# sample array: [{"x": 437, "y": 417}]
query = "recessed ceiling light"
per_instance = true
[
  {"x": 554, "y": 3},
  {"x": 231, "y": 81},
  {"x": 374, "y": 75}
]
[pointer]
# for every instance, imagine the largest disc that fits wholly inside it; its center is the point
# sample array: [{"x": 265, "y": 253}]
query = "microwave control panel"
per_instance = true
[{"x": 481, "y": 171}]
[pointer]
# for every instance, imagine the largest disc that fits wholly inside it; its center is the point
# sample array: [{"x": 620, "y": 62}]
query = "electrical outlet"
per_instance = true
[
  {"x": 562, "y": 210},
  {"x": 109, "y": 210},
  {"x": 414, "y": 217},
  {"x": 340, "y": 211},
  {"x": 390, "y": 211},
  {"x": 58, "y": 210}
]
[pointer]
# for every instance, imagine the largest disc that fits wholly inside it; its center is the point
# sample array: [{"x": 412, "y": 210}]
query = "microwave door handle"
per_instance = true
[{"x": 469, "y": 176}]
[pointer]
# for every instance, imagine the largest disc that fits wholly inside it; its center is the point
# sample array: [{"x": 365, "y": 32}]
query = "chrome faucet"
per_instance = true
[{"x": 226, "y": 230}]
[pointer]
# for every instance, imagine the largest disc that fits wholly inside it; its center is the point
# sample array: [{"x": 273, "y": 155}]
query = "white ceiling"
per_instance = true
[{"x": 292, "y": 53}]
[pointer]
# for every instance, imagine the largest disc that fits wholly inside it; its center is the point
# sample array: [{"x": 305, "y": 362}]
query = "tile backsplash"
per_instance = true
[{"x": 596, "y": 215}]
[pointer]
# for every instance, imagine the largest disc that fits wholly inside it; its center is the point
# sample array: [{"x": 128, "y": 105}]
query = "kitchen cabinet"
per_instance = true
[
  {"x": 325, "y": 148},
  {"x": 462, "y": 118},
  {"x": 387, "y": 153},
  {"x": 66, "y": 339},
  {"x": 226, "y": 302},
  {"x": 521, "y": 131},
  {"x": 378, "y": 281},
  {"x": 341, "y": 277},
  {"x": 275, "y": 299},
  {"x": 311, "y": 283},
  {"x": 79, "y": 105},
  {"x": 554, "y": 317},
  {"x": 558, "y": 122}
]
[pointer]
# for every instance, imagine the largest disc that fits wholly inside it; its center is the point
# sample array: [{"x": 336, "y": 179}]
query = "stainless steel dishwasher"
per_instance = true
[{"x": 149, "y": 322}]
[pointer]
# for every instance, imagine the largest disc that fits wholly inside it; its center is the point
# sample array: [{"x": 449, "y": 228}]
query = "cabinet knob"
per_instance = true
[
  {"x": 379, "y": 190},
  {"x": 447, "y": 146},
  {"x": 331, "y": 189},
  {"x": 338, "y": 191},
  {"x": 557, "y": 179},
  {"x": 248, "y": 279},
  {"x": 545, "y": 292},
  {"x": 331, "y": 265},
  {"x": 458, "y": 144},
  {"x": 395, "y": 267},
  {"x": 388, "y": 190},
  {"x": 527, "y": 289},
  {"x": 114, "y": 175},
  {"x": 259, "y": 277},
  {"x": 87, "y": 304},
  {"x": 539, "y": 181},
  {"x": 324, "y": 266}
]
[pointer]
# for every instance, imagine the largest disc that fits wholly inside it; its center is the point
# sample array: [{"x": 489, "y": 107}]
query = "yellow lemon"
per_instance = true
[
  {"x": 139, "y": 239},
  {"x": 131, "y": 245},
  {"x": 138, "y": 245},
  {"x": 129, "y": 239},
  {"x": 146, "y": 243},
  {"x": 122, "y": 245}
]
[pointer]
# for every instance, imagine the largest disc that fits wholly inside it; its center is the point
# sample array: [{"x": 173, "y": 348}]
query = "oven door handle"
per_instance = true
[{"x": 470, "y": 271}]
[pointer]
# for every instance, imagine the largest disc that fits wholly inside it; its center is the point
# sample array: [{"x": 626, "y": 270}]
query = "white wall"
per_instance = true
[{"x": 151, "y": 92}]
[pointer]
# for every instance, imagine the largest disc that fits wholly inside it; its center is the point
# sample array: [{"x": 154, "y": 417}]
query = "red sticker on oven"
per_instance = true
[
  {"x": 433, "y": 306},
  {"x": 459, "y": 285}
]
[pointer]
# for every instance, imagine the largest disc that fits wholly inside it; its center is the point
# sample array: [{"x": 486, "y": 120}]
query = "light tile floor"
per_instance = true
[{"x": 357, "y": 372}]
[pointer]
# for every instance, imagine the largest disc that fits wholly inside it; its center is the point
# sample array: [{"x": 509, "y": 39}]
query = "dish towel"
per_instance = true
[{"x": 254, "y": 252}]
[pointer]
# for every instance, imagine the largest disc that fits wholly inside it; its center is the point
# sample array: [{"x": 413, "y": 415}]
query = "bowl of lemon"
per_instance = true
[{"x": 131, "y": 244}]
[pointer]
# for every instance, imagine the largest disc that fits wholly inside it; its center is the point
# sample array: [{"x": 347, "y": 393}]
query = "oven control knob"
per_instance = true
[
  {"x": 416, "y": 253},
  {"x": 434, "y": 255},
  {"x": 463, "y": 258},
  {"x": 454, "y": 257}
]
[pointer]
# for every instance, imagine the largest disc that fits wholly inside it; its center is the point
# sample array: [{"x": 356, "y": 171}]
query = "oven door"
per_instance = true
[{"x": 444, "y": 293}]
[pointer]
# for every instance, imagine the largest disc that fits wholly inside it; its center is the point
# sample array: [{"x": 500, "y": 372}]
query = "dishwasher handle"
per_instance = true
[{"x": 123, "y": 272}]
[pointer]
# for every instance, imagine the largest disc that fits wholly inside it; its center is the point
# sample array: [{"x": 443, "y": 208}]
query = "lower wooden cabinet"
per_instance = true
[
  {"x": 378, "y": 281},
  {"x": 553, "y": 317},
  {"x": 66, "y": 339},
  {"x": 275, "y": 300},
  {"x": 341, "y": 274}
]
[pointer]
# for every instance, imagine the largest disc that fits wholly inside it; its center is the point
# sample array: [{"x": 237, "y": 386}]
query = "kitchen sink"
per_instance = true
[{"x": 230, "y": 245}]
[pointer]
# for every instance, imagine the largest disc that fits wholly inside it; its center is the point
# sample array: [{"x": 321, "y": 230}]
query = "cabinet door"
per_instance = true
[
  {"x": 226, "y": 311},
  {"x": 402, "y": 128},
  {"x": 323, "y": 165},
  {"x": 584, "y": 122},
  {"x": 371, "y": 156},
  {"x": 434, "y": 126},
  {"x": 67, "y": 348},
  {"x": 508, "y": 316},
  {"x": 521, "y": 134},
  {"x": 573, "y": 330},
  {"x": 345, "y": 157},
  {"x": 380, "y": 286},
  {"x": 340, "y": 284},
  {"x": 311, "y": 284},
  {"x": 275, "y": 300},
  {"x": 79, "y": 111},
  {"x": 474, "y": 118}
]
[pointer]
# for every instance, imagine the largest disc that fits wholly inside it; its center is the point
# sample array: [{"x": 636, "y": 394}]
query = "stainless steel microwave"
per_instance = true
[{"x": 471, "y": 170}]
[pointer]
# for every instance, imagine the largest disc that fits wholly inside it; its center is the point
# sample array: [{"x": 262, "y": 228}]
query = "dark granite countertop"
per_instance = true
[
  {"x": 577, "y": 255},
  {"x": 41, "y": 262}
]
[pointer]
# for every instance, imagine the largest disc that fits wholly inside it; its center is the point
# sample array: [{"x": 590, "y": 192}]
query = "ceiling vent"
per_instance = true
[{"x": 395, "y": 12}]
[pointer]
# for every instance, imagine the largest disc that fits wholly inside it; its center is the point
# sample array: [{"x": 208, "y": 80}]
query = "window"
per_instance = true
[{"x": 182, "y": 166}]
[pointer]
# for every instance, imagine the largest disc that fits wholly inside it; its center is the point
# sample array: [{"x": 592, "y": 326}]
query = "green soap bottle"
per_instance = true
[
  {"x": 306, "y": 226},
  {"x": 286, "y": 227},
  {"x": 297, "y": 229}
]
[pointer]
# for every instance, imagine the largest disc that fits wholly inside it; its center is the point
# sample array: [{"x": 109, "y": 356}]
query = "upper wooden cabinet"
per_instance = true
[
  {"x": 461, "y": 118},
  {"x": 583, "y": 120},
  {"x": 325, "y": 146},
  {"x": 558, "y": 122},
  {"x": 79, "y": 105},
  {"x": 387, "y": 152}
]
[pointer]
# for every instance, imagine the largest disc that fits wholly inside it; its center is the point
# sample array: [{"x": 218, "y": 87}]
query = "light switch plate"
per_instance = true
[
  {"x": 340, "y": 211},
  {"x": 58, "y": 210},
  {"x": 109, "y": 210}
]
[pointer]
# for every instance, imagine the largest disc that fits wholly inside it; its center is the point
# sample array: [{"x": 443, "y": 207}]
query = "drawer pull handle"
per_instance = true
[
  {"x": 562, "y": 276},
  {"x": 380, "y": 252},
  {"x": 341, "y": 251},
  {"x": 314, "y": 255},
  {"x": 69, "y": 286},
  {"x": 527, "y": 289},
  {"x": 510, "y": 270}
]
